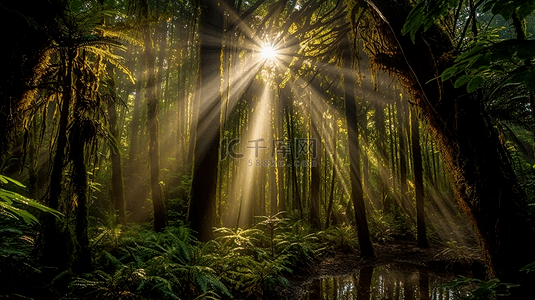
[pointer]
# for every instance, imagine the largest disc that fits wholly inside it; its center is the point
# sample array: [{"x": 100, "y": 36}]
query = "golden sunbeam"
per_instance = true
[{"x": 268, "y": 52}]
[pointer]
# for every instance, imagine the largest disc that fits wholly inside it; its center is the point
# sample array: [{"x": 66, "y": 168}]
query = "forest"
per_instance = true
[{"x": 267, "y": 149}]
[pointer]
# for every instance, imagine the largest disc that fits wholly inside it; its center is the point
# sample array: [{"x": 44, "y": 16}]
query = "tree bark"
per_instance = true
[
  {"x": 50, "y": 239},
  {"x": 485, "y": 183},
  {"x": 204, "y": 184},
  {"x": 357, "y": 195},
  {"x": 159, "y": 221},
  {"x": 418, "y": 181},
  {"x": 315, "y": 179},
  {"x": 117, "y": 184},
  {"x": 403, "y": 150},
  {"x": 82, "y": 256}
]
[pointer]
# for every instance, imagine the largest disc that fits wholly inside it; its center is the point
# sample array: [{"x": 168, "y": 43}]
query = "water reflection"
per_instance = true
[{"x": 393, "y": 281}]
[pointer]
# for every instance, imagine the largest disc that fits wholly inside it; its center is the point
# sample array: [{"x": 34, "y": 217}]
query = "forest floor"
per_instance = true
[{"x": 339, "y": 264}]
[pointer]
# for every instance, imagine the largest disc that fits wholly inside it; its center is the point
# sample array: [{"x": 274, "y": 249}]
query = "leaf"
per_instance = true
[
  {"x": 529, "y": 80},
  {"x": 10, "y": 198},
  {"x": 524, "y": 10},
  {"x": 452, "y": 71},
  {"x": 425, "y": 14},
  {"x": 507, "y": 11},
  {"x": 529, "y": 267},
  {"x": 488, "y": 6},
  {"x": 5, "y": 179},
  {"x": 462, "y": 80},
  {"x": 474, "y": 83}
]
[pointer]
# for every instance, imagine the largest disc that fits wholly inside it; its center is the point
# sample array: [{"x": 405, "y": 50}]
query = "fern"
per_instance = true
[{"x": 9, "y": 199}]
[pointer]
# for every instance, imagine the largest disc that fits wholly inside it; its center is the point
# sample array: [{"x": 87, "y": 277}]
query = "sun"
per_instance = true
[{"x": 268, "y": 52}]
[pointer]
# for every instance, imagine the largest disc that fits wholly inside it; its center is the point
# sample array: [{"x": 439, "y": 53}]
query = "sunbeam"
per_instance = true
[{"x": 268, "y": 52}]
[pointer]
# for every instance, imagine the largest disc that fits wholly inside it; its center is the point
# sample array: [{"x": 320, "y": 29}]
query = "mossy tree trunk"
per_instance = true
[
  {"x": 52, "y": 248},
  {"x": 484, "y": 181}
]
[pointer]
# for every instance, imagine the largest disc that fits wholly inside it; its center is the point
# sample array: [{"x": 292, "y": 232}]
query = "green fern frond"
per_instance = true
[{"x": 120, "y": 34}]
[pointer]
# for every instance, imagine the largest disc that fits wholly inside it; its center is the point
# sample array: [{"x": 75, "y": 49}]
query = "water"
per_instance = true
[{"x": 393, "y": 281}]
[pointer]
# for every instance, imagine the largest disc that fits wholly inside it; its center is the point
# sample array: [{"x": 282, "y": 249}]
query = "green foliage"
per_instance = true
[
  {"x": 506, "y": 8},
  {"x": 454, "y": 252},
  {"x": 271, "y": 223},
  {"x": 528, "y": 268},
  {"x": 476, "y": 289},
  {"x": 487, "y": 57},
  {"x": 340, "y": 238},
  {"x": 148, "y": 265},
  {"x": 384, "y": 227},
  {"x": 123, "y": 283},
  {"x": 10, "y": 199},
  {"x": 298, "y": 244},
  {"x": 18, "y": 266},
  {"x": 425, "y": 14},
  {"x": 255, "y": 261}
]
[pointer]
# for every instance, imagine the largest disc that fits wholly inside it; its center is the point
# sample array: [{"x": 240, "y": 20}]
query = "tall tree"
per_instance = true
[
  {"x": 315, "y": 159},
  {"x": 418, "y": 180},
  {"x": 357, "y": 195},
  {"x": 151, "y": 98},
  {"x": 117, "y": 185},
  {"x": 403, "y": 151},
  {"x": 484, "y": 180},
  {"x": 202, "y": 206},
  {"x": 50, "y": 238}
]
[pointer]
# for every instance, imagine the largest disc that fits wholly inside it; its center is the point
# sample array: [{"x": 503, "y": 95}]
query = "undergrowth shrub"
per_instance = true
[
  {"x": 386, "y": 227},
  {"x": 339, "y": 238}
]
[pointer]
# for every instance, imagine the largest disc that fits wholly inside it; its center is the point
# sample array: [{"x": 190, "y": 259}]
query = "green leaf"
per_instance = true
[
  {"x": 507, "y": 11},
  {"x": 9, "y": 199},
  {"x": 453, "y": 70},
  {"x": 474, "y": 83},
  {"x": 462, "y": 80},
  {"x": 425, "y": 14},
  {"x": 529, "y": 267},
  {"x": 488, "y": 6},
  {"x": 6, "y": 179},
  {"x": 529, "y": 81},
  {"x": 525, "y": 9}
]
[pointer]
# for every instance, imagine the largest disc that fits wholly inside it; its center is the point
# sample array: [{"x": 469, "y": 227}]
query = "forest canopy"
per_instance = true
[{"x": 166, "y": 149}]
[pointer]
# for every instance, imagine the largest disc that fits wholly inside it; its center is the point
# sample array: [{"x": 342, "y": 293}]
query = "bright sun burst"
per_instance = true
[{"x": 268, "y": 52}]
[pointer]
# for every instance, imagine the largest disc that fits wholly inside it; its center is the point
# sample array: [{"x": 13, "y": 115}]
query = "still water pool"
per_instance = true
[{"x": 393, "y": 281}]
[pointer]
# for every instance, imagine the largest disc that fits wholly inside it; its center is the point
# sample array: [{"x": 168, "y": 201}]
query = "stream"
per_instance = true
[{"x": 391, "y": 281}]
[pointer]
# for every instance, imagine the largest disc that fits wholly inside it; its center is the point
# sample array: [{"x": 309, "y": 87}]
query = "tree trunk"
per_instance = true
[
  {"x": 82, "y": 257},
  {"x": 50, "y": 238},
  {"x": 159, "y": 221},
  {"x": 418, "y": 181},
  {"x": 117, "y": 184},
  {"x": 333, "y": 180},
  {"x": 135, "y": 196},
  {"x": 204, "y": 184},
  {"x": 315, "y": 179},
  {"x": 357, "y": 195},
  {"x": 485, "y": 183},
  {"x": 162, "y": 28},
  {"x": 402, "y": 119}
]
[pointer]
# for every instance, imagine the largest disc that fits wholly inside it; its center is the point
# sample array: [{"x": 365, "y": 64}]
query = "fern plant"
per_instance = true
[
  {"x": 298, "y": 244},
  {"x": 10, "y": 200},
  {"x": 476, "y": 289},
  {"x": 339, "y": 238},
  {"x": 179, "y": 261},
  {"x": 271, "y": 223}
]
